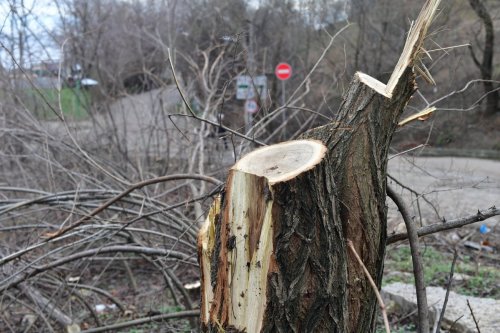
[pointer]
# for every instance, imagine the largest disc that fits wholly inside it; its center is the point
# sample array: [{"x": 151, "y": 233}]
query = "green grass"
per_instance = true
[
  {"x": 74, "y": 103},
  {"x": 480, "y": 281}
]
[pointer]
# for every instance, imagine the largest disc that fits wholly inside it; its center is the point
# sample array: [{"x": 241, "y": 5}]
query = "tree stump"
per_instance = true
[{"x": 272, "y": 252}]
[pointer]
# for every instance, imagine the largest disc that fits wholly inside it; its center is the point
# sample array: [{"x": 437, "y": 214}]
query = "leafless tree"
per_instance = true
[
  {"x": 106, "y": 210},
  {"x": 485, "y": 65}
]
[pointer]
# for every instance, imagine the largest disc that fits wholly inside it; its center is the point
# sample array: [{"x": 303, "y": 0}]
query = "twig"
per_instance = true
[
  {"x": 448, "y": 288},
  {"x": 455, "y": 322},
  {"x": 90, "y": 253},
  {"x": 407, "y": 151},
  {"x": 418, "y": 195},
  {"x": 473, "y": 317},
  {"x": 452, "y": 224},
  {"x": 316, "y": 64},
  {"x": 418, "y": 272},
  {"x": 100, "y": 292},
  {"x": 182, "y": 314},
  {"x": 46, "y": 305},
  {"x": 126, "y": 192},
  {"x": 61, "y": 232},
  {"x": 193, "y": 114},
  {"x": 130, "y": 275},
  {"x": 374, "y": 286},
  {"x": 264, "y": 121}
]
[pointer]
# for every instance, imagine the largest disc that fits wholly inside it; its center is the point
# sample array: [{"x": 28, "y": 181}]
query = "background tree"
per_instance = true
[
  {"x": 126, "y": 169},
  {"x": 486, "y": 64}
]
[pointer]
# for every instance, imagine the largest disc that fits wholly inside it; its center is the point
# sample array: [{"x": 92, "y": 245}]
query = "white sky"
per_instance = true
[{"x": 41, "y": 16}]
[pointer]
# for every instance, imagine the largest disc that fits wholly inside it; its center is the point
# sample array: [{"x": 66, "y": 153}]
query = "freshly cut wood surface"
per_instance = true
[{"x": 282, "y": 161}]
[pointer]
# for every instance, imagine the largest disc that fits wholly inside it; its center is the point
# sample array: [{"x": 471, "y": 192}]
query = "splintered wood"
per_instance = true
[
  {"x": 236, "y": 241},
  {"x": 273, "y": 253}
]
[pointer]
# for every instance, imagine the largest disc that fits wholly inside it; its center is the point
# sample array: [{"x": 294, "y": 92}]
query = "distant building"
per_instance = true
[{"x": 45, "y": 69}]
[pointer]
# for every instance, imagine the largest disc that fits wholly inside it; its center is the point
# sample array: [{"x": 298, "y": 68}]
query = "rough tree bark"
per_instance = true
[{"x": 273, "y": 252}]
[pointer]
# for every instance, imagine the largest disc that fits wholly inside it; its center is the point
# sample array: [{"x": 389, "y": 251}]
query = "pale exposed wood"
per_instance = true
[
  {"x": 282, "y": 161},
  {"x": 236, "y": 241},
  {"x": 422, "y": 115},
  {"x": 373, "y": 83},
  {"x": 414, "y": 42}
]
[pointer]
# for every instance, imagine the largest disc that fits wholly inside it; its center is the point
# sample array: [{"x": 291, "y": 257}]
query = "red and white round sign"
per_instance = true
[
  {"x": 251, "y": 106},
  {"x": 283, "y": 71}
]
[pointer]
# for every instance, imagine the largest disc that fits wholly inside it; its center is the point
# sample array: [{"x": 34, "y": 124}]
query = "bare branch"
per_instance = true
[
  {"x": 473, "y": 317},
  {"x": 418, "y": 271},
  {"x": 90, "y": 253},
  {"x": 193, "y": 114},
  {"x": 448, "y": 288},
  {"x": 452, "y": 224},
  {"x": 140, "y": 321},
  {"x": 374, "y": 286}
]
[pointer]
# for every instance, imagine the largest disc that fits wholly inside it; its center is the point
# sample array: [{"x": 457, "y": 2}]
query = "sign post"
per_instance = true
[
  {"x": 248, "y": 87},
  {"x": 283, "y": 72}
]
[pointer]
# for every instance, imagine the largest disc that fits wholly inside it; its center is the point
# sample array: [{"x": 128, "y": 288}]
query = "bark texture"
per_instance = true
[
  {"x": 294, "y": 232},
  {"x": 358, "y": 143},
  {"x": 273, "y": 251}
]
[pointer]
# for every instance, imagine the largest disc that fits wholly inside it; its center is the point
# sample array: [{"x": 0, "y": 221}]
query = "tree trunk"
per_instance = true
[
  {"x": 273, "y": 252},
  {"x": 486, "y": 65}
]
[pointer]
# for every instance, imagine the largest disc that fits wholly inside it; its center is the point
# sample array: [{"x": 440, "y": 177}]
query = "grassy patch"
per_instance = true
[
  {"x": 478, "y": 280},
  {"x": 74, "y": 103}
]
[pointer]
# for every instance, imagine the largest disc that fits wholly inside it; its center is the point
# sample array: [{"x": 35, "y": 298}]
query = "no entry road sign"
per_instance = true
[{"x": 283, "y": 71}]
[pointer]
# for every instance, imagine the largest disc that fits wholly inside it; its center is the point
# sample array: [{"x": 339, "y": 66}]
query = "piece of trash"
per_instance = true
[
  {"x": 104, "y": 307},
  {"x": 100, "y": 307},
  {"x": 477, "y": 246},
  {"x": 73, "y": 279},
  {"x": 484, "y": 229},
  {"x": 194, "y": 285}
]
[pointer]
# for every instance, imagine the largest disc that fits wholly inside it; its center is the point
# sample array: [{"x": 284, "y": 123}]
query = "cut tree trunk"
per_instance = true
[{"x": 272, "y": 252}]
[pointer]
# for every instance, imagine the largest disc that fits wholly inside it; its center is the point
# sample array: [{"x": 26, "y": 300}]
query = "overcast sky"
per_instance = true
[{"x": 41, "y": 16}]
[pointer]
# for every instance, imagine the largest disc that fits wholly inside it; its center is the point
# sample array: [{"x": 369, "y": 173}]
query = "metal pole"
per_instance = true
[
  {"x": 250, "y": 70},
  {"x": 283, "y": 112}
]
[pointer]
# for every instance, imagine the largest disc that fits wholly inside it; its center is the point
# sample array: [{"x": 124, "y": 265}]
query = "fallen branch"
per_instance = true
[
  {"x": 18, "y": 278},
  {"x": 57, "y": 235},
  {"x": 129, "y": 190},
  {"x": 166, "y": 316},
  {"x": 448, "y": 288},
  {"x": 46, "y": 305}
]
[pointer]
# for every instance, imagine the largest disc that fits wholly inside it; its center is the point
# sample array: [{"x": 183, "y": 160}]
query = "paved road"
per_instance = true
[{"x": 457, "y": 186}]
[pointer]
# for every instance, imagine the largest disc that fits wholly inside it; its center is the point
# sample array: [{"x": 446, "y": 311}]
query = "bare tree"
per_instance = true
[{"x": 485, "y": 65}]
